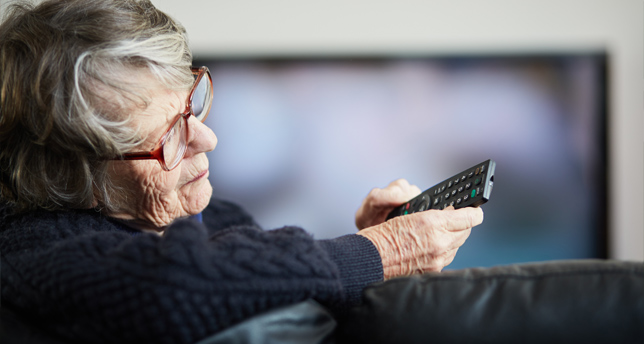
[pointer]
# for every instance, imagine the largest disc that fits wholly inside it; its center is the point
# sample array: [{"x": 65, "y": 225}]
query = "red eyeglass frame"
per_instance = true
[{"x": 157, "y": 152}]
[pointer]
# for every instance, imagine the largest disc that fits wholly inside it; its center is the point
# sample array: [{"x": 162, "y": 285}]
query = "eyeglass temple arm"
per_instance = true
[{"x": 137, "y": 156}]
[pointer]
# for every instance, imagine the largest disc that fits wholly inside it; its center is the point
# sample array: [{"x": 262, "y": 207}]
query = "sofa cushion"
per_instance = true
[
  {"x": 586, "y": 301},
  {"x": 302, "y": 323}
]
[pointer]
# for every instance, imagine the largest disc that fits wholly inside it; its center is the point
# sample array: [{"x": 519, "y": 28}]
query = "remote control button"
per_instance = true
[
  {"x": 424, "y": 202},
  {"x": 456, "y": 180},
  {"x": 470, "y": 175},
  {"x": 463, "y": 177},
  {"x": 477, "y": 181},
  {"x": 449, "y": 185},
  {"x": 466, "y": 197},
  {"x": 468, "y": 186},
  {"x": 447, "y": 195},
  {"x": 453, "y": 193},
  {"x": 424, "y": 205},
  {"x": 460, "y": 189},
  {"x": 473, "y": 193},
  {"x": 459, "y": 200},
  {"x": 482, "y": 168},
  {"x": 478, "y": 170}
]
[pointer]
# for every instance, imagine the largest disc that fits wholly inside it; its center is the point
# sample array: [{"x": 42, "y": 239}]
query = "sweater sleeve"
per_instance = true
[
  {"x": 178, "y": 288},
  {"x": 358, "y": 263},
  {"x": 356, "y": 258}
]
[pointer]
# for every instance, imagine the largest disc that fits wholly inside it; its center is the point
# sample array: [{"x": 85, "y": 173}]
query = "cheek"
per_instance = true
[
  {"x": 158, "y": 196},
  {"x": 157, "y": 184},
  {"x": 145, "y": 181},
  {"x": 195, "y": 196}
]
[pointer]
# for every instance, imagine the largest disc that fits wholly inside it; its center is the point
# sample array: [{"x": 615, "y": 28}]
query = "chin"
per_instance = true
[{"x": 197, "y": 198}]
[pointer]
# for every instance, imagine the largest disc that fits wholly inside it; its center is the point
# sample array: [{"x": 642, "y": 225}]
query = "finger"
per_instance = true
[
  {"x": 457, "y": 220},
  {"x": 458, "y": 239},
  {"x": 404, "y": 185},
  {"x": 384, "y": 198},
  {"x": 400, "y": 191},
  {"x": 437, "y": 263},
  {"x": 414, "y": 190},
  {"x": 449, "y": 258},
  {"x": 393, "y": 195}
]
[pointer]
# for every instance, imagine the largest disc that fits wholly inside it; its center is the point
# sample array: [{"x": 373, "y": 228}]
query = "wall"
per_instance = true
[{"x": 281, "y": 27}]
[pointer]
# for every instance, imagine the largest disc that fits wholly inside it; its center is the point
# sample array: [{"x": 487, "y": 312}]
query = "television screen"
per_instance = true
[{"x": 302, "y": 140}]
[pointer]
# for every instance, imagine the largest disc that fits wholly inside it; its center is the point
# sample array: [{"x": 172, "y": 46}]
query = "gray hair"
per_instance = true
[{"x": 67, "y": 87}]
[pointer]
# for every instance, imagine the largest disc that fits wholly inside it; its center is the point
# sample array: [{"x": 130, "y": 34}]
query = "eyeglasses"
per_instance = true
[{"x": 173, "y": 144}]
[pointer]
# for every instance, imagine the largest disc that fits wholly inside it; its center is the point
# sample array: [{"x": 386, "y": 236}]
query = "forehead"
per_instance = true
[
  {"x": 130, "y": 93},
  {"x": 136, "y": 96},
  {"x": 153, "y": 105}
]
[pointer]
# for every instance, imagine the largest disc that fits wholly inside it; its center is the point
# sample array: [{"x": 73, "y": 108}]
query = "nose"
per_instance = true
[{"x": 202, "y": 139}]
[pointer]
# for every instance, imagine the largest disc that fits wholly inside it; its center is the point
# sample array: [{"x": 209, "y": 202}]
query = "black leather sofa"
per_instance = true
[
  {"x": 589, "y": 301},
  {"x": 584, "y": 301}
]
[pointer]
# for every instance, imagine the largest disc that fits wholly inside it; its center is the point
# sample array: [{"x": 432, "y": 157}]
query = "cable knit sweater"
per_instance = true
[{"x": 87, "y": 277}]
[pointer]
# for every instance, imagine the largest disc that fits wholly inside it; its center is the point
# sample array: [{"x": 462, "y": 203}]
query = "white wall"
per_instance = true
[{"x": 282, "y": 27}]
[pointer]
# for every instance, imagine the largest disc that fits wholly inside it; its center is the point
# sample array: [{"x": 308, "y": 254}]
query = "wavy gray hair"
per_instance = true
[{"x": 68, "y": 83}]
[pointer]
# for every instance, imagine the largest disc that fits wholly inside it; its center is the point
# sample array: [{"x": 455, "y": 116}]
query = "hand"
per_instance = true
[
  {"x": 380, "y": 202},
  {"x": 423, "y": 241}
]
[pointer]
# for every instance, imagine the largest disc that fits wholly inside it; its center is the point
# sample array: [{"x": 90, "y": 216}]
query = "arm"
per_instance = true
[
  {"x": 175, "y": 288},
  {"x": 357, "y": 260}
]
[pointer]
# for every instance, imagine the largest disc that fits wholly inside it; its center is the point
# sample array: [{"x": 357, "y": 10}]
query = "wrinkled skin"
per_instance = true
[
  {"x": 416, "y": 243},
  {"x": 152, "y": 198}
]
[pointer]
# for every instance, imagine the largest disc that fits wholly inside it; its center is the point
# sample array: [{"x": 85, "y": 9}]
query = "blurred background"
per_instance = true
[
  {"x": 303, "y": 140},
  {"x": 318, "y": 102}
]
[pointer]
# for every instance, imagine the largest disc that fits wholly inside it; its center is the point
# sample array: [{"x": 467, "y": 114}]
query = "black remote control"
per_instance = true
[{"x": 470, "y": 188}]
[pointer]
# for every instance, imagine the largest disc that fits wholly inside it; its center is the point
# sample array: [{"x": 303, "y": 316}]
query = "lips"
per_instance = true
[{"x": 199, "y": 176}]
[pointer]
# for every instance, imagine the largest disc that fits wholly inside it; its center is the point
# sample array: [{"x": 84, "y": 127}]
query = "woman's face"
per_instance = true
[{"x": 151, "y": 198}]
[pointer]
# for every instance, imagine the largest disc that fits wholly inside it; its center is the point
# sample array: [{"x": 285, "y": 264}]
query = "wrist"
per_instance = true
[{"x": 390, "y": 249}]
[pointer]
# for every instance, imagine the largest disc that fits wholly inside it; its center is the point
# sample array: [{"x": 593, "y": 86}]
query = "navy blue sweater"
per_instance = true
[{"x": 87, "y": 277}]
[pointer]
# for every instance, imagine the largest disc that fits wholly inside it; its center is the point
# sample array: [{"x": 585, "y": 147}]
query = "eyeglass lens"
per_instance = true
[
  {"x": 201, "y": 97},
  {"x": 175, "y": 145}
]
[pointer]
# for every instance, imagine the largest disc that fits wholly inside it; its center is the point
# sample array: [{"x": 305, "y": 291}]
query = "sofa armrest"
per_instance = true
[{"x": 585, "y": 301}]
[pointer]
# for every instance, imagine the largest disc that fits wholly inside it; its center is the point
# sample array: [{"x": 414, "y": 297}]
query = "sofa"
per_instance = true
[{"x": 571, "y": 301}]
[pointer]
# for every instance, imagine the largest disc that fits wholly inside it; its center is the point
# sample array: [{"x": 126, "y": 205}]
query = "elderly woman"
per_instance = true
[{"x": 109, "y": 231}]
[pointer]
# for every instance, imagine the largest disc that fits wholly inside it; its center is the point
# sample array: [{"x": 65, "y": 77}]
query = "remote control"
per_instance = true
[{"x": 470, "y": 188}]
